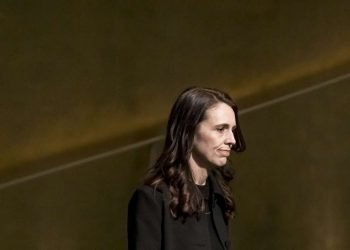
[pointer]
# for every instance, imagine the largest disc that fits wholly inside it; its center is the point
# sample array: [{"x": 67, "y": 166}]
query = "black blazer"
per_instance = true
[{"x": 151, "y": 227}]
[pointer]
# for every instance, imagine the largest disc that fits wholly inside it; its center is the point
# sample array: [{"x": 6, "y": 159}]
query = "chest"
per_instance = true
[{"x": 194, "y": 233}]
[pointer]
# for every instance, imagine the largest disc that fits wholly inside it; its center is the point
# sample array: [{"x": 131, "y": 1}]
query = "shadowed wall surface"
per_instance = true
[
  {"x": 292, "y": 183},
  {"x": 82, "y": 77}
]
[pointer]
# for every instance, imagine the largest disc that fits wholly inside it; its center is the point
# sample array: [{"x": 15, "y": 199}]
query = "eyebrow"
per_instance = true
[{"x": 226, "y": 125}]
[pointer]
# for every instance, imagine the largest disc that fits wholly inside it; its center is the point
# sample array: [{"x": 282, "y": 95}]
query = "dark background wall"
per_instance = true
[
  {"x": 292, "y": 182},
  {"x": 79, "y": 72},
  {"x": 80, "y": 78}
]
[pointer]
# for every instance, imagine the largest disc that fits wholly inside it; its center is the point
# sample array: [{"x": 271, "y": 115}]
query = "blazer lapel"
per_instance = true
[{"x": 217, "y": 201}]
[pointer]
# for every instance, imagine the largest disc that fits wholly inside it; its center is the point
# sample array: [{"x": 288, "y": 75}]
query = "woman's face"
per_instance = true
[{"x": 214, "y": 136}]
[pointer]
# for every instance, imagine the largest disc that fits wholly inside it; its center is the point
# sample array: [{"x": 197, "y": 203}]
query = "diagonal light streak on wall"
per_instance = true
[{"x": 139, "y": 144}]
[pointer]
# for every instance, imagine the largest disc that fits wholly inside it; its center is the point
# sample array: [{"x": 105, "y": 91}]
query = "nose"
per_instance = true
[{"x": 230, "y": 139}]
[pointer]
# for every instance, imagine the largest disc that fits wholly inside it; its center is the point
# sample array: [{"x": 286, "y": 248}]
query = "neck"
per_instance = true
[{"x": 199, "y": 173}]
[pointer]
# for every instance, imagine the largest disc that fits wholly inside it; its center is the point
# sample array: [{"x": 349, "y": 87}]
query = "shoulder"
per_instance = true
[
  {"x": 146, "y": 190},
  {"x": 147, "y": 195}
]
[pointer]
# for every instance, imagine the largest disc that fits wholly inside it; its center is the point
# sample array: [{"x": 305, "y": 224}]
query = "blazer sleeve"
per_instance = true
[{"x": 145, "y": 219}]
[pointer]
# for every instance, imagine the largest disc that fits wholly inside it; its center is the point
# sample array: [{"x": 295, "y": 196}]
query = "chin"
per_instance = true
[{"x": 220, "y": 163}]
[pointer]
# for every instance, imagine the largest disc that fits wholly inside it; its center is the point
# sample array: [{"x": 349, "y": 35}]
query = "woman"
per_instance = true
[{"x": 186, "y": 202}]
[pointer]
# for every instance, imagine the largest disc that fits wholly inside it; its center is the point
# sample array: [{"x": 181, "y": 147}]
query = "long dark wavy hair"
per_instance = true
[{"x": 171, "y": 168}]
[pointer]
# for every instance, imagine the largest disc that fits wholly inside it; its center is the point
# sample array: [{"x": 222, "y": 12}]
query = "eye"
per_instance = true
[{"x": 220, "y": 129}]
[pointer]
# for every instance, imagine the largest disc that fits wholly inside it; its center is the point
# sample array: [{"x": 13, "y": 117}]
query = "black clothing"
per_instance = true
[
  {"x": 151, "y": 226},
  {"x": 206, "y": 190}
]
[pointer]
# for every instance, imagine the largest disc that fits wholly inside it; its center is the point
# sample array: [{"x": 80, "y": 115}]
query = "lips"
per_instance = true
[{"x": 225, "y": 152}]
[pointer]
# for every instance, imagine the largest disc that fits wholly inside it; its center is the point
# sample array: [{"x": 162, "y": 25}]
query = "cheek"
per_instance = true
[{"x": 205, "y": 144}]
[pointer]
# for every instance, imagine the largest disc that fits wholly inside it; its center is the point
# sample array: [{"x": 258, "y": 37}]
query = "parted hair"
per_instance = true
[{"x": 171, "y": 168}]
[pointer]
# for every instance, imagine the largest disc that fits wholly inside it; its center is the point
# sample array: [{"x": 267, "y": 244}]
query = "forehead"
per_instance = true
[{"x": 220, "y": 113}]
